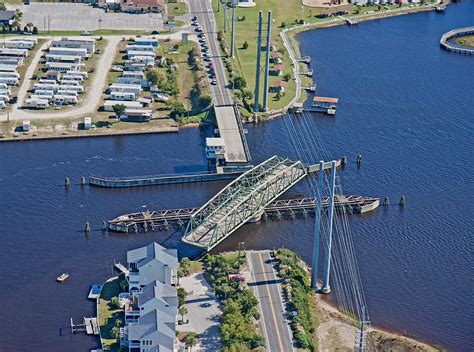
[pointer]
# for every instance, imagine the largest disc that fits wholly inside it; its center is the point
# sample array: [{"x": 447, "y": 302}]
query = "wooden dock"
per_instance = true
[
  {"x": 89, "y": 325},
  {"x": 446, "y": 41},
  {"x": 121, "y": 268}
]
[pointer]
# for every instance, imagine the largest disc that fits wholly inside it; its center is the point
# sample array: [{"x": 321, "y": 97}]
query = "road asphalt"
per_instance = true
[{"x": 267, "y": 288}]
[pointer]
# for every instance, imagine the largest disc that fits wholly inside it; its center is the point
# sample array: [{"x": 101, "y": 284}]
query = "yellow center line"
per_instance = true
[{"x": 271, "y": 303}]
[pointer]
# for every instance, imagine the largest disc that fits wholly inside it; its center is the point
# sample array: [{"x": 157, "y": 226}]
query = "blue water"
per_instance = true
[{"x": 405, "y": 106}]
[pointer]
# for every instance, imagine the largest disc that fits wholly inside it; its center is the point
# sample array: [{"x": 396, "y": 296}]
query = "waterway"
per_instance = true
[{"x": 406, "y": 106}]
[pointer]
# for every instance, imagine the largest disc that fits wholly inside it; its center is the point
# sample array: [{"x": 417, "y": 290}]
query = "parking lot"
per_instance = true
[{"x": 83, "y": 17}]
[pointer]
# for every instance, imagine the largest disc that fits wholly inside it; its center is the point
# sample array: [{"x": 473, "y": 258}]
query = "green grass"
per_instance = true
[
  {"x": 108, "y": 315},
  {"x": 13, "y": 2},
  {"x": 467, "y": 41},
  {"x": 177, "y": 9},
  {"x": 284, "y": 14}
]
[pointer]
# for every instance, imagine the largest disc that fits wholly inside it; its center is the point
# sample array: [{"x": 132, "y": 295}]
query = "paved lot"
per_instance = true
[
  {"x": 81, "y": 17},
  {"x": 203, "y": 313}
]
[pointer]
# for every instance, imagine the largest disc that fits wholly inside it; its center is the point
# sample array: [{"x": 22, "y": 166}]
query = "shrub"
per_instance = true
[{"x": 245, "y": 45}]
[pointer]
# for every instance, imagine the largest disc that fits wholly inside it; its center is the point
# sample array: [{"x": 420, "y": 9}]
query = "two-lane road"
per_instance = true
[
  {"x": 202, "y": 9},
  {"x": 267, "y": 288}
]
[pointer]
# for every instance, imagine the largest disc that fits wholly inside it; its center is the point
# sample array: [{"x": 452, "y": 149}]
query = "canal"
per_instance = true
[{"x": 405, "y": 106}]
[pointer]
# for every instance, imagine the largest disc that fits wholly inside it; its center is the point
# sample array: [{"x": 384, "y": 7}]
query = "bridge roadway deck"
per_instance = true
[{"x": 230, "y": 128}]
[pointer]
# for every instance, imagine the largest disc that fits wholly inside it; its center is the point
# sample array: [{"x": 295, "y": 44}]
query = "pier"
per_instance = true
[
  {"x": 304, "y": 59},
  {"x": 446, "y": 41},
  {"x": 140, "y": 181},
  {"x": 89, "y": 325}
]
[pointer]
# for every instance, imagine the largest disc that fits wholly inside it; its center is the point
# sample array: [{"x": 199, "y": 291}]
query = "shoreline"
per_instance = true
[{"x": 292, "y": 45}]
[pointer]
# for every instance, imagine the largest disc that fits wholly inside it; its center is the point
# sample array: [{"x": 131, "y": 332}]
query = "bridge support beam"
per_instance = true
[
  {"x": 317, "y": 229},
  {"x": 332, "y": 184}
]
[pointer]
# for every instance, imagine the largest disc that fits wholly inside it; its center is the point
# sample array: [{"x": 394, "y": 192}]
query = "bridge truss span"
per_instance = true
[{"x": 242, "y": 201}]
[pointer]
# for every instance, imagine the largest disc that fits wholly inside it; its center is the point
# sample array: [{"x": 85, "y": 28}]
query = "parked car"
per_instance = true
[
  {"x": 213, "y": 82},
  {"x": 195, "y": 18},
  {"x": 13, "y": 100}
]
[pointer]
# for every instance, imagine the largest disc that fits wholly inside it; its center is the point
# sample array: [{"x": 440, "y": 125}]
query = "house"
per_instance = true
[
  {"x": 277, "y": 57},
  {"x": 151, "y": 263},
  {"x": 273, "y": 45},
  {"x": 7, "y": 17},
  {"x": 87, "y": 123},
  {"x": 279, "y": 87},
  {"x": 154, "y": 331},
  {"x": 277, "y": 70},
  {"x": 140, "y": 6}
]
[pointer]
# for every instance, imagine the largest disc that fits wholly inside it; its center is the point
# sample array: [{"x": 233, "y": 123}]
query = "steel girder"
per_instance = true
[{"x": 243, "y": 199}]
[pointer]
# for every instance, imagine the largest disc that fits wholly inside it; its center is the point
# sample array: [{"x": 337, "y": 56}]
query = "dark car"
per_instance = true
[
  {"x": 155, "y": 32},
  {"x": 195, "y": 18},
  {"x": 13, "y": 100}
]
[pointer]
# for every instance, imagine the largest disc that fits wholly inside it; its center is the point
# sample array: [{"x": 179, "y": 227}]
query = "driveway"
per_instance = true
[{"x": 203, "y": 313}]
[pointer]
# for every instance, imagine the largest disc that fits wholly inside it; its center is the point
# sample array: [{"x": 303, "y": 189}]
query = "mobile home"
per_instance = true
[
  {"x": 79, "y": 89},
  {"x": 7, "y": 68},
  {"x": 131, "y": 80},
  {"x": 11, "y": 81},
  {"x": 62, "y": 58},
  {"x": 122, "y": 96},
  {"x": 83, "y": 74},
  {"x": 14, "y": 52},
  {"x": 70, "y": 77},
  {"x": 75, "y": 43},
  {"x": 10, "y": 74},
  {"x": 20, "y": 44},
  {"x": 44, "y": 93},
  {"x": 82, "y": 52},
  {"x": 67, "y": 92},
  {"x": 64, "y": 99},
  {"x": 62, "y": 66},
  {"x": 70, "y": 82},
  {"x": 37, "y": 103},
  {"x": 129, "y": 88},
  {"x": 47, "y": 81},
  {"x": 13, "y": 61},
  {"x": 4, "y": 98},
  {"x": 42, "y": 86},
  {"x": 109, "y": 104},
  {"x": 153, "y": 41},
  {"x": 40, "y": 97}
]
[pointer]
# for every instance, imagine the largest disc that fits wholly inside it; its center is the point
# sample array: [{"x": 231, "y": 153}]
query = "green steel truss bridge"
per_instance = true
[{"x": 242, "y": 201}]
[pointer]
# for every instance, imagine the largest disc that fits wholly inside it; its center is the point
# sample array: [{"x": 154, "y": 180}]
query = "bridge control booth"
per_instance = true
[{"x": 215, "y": 149}]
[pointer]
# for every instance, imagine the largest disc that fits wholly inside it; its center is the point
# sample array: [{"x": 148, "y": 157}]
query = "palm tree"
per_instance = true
[
  {"x": 182, "y": 311},
  {"x": 191, "y": 340}
]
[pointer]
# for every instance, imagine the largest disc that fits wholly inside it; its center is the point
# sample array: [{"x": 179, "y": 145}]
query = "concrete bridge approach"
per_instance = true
[{"x": 243, "y": 200}]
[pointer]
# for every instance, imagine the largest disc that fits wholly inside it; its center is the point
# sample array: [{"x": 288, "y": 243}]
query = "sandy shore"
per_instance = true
[{"x": 336, "y": 334}]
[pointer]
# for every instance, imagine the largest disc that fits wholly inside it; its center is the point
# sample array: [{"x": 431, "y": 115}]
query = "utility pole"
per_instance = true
[
  {"x": 267, "y": 63},
  {"x": 257, "y": 70},
  {"x": 317, "y": 228},
  {"x": 225, "y": 16},
  {"x": 326, "y": 288},
  {"x": 232, "y": 40}
]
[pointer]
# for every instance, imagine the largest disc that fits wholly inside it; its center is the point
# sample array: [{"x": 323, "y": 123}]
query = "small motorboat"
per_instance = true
[{"x": 62, "y": 277}]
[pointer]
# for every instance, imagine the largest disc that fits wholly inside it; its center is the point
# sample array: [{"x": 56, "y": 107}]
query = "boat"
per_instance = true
[{"x": 62, "y": 277}]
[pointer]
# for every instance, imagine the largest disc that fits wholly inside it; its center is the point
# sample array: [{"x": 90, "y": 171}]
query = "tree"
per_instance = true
[
  {"x": 115, "y": 302},
  {"x": 156, "y": 77},
  {"x": 119, "y": 109},
  {"x": 2, "y": 6},
  {"x": 30, "y": 26},
  {"x": 191, "y": 340},
  {"x": 182, "y": 311},
  {"x": 177, "y": 108},
  {"x": 116, "y": 332},
  {"x": 247, "y": 94},
  {"x": 245, "y": 45},
  {"x": 283, "y": 25},
  {"x": 239, "y": 82},
  {"x": 35, "y": 30},
  {"x": 286, "y": 77},
  {"x": 205, "y": 100},
  {"x": 185, "y": 264},
  {"x": 181, "y": 296},
  {"x": 124, "y": 285}
]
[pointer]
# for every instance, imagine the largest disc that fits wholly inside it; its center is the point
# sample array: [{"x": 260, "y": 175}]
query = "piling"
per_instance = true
[
  {"x": 88, "y": 227},
  {"x": 386, "y": 202},
  {"x": 104, "y": 225},
  {"x": 359, "y": 159},
  {"x": 67, "y": 182},
  {"x": 83, "y": 180},
  {"x": 343, "y": 161},
  {"x": 402, "y": 201}
]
